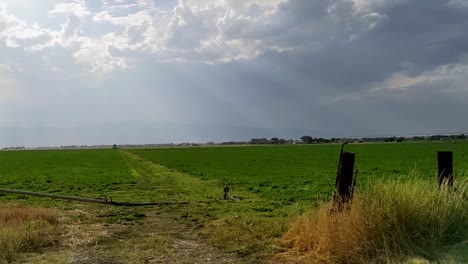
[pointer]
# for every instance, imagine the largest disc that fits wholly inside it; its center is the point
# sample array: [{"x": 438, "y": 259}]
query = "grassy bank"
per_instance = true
[
  {"x": 390, "y": 222},
  {"x": 24, "y": 229}
]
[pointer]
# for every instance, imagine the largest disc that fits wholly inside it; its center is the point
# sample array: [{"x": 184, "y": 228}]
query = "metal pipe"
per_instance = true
[{"x": 86, "y": 200}]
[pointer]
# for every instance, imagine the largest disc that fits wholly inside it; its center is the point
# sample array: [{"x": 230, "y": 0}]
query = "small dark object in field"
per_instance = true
[
  {"x": 226, "y": 195},
  {"x": 226, "y": 192}
]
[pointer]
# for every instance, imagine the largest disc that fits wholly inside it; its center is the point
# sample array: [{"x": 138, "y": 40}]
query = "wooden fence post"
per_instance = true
[
  {"x": 344, "y": 180},
  {"x": 445, "y": 165},
  {"x": 339, "y": 163}
]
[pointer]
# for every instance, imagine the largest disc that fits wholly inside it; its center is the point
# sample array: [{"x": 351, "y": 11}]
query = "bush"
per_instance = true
[
  {"x": 389, "y": 222},
  {"x": 24, "y": 229}
]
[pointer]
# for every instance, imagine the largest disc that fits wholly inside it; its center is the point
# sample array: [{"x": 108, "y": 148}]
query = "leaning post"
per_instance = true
[
  {"x": 445, "y": 168},
  {"x": 344, "y": 180},
  {"x": 339, "y": 163}
]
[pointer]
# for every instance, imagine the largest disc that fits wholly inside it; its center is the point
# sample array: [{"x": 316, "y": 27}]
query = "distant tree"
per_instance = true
[
  {"x": 461, "y": 136},
  {"x": 436, "y": 137},
  {"x": 114, "y": 146},
  {"x": 400, "y": 139},
  {"x": 307, "y": 139},
  {"x": 274, "y": 140},
  {"x": 255, "y": 141},
  {"x": 259, "y": 141},
  {"x": 321, "y": 140},
  {"x": 228, "y": 143}
]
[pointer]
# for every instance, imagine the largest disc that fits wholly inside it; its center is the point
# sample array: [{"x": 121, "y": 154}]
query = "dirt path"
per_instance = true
[{"x": 186, "y": 246}]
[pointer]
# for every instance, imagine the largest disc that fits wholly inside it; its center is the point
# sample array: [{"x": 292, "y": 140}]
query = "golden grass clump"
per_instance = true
[
  {"x": 324, "y": 236},
  {"x": 389, "y": 222},
  {"x": 244, "y": 234},
  {"x": 24, "y": 229}
]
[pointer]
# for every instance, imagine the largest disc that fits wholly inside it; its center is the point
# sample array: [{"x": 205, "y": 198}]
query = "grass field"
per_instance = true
[
  {"x": 73, "y": 172},
  {"x": 284, "y": 173},
  {"x": 275, "y": 183},
  {"x": 304, "y": 172}
]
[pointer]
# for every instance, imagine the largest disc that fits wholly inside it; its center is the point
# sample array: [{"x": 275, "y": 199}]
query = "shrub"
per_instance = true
[
  {"x": 24, "y": 229},
  {"x": 388, "y": 222}
]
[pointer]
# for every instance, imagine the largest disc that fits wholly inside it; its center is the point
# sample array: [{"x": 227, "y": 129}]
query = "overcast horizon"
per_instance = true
[{"x": 82, "y": 72}]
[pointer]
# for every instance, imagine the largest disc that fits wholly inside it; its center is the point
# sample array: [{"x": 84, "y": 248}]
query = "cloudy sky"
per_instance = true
[{"x": 154, "y": 71}]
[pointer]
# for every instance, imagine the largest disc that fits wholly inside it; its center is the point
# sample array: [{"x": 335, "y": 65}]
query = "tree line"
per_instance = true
[{"x": 306, "y": 139}]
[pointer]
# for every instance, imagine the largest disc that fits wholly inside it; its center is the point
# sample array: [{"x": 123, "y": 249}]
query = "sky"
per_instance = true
[{"x": 76, "y": 72}]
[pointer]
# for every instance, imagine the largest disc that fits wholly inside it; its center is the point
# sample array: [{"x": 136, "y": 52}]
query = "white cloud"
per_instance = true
[
  {"x": 451, "y": 73},
  {"x": 206, "y": 31},
  {"x": 135, "y": 19},
  {"x": 96, "y": 54},
  {"x": 17, "y": 32},
  {"x": 75, "y": 9}
]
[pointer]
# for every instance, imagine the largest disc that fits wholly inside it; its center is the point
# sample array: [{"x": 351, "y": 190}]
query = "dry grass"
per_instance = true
[
  {"x": 330, "y": 237},
  {"x": 24, "y": 229},
  {"x": 389, "y": 223},
  {"x": 245, "y": 234}
]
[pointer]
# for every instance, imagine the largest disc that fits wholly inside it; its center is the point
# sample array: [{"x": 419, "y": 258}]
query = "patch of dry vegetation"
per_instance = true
[
  {"x": 24, "y": 229},
  {"x": 389, "y": 223},
  {"x": 244, "y": 234}
]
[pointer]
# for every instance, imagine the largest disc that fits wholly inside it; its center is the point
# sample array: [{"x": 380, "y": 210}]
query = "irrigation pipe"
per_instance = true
[{"x": 86, "y": 200}]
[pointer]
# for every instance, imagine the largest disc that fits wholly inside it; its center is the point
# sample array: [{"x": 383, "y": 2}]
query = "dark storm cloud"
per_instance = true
[
  {"x": 309, "y": 88},
  {"x": 412, "y": 36}
]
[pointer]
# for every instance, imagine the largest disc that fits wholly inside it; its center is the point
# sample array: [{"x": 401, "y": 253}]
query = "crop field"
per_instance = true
[
  {"x": 91, "y": 173},
  {"x": 286, "y": 173},
  {"x": 304, "y": 172},
  {"x": 275, "y": 184}
]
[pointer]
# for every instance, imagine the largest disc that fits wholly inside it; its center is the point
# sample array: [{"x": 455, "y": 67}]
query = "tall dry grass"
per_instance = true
[
  {"x": 387, "y": 223},
  {"x": 24, "y": 228}
]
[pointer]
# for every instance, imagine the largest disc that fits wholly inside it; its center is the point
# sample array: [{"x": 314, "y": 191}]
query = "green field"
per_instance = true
[
  {"x": 275, "y": 183},
  {"x": 93, "y": 173},
  {"x": 272, "y": 176},
  {"x": 288, "y": 173},
  {"x": 304, "y": 172}
]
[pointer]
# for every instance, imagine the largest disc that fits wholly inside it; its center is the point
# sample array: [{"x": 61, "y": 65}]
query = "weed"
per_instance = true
[
  {"x": 24, "y": 229},
  {"x": 388, "y": 222}
]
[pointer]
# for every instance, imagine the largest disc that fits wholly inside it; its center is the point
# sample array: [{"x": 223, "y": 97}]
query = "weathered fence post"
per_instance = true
[
  {"x": 344, "y": 180},
  {"x": 445, "y": 165},
  {"x": 339, "y": 163}
]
